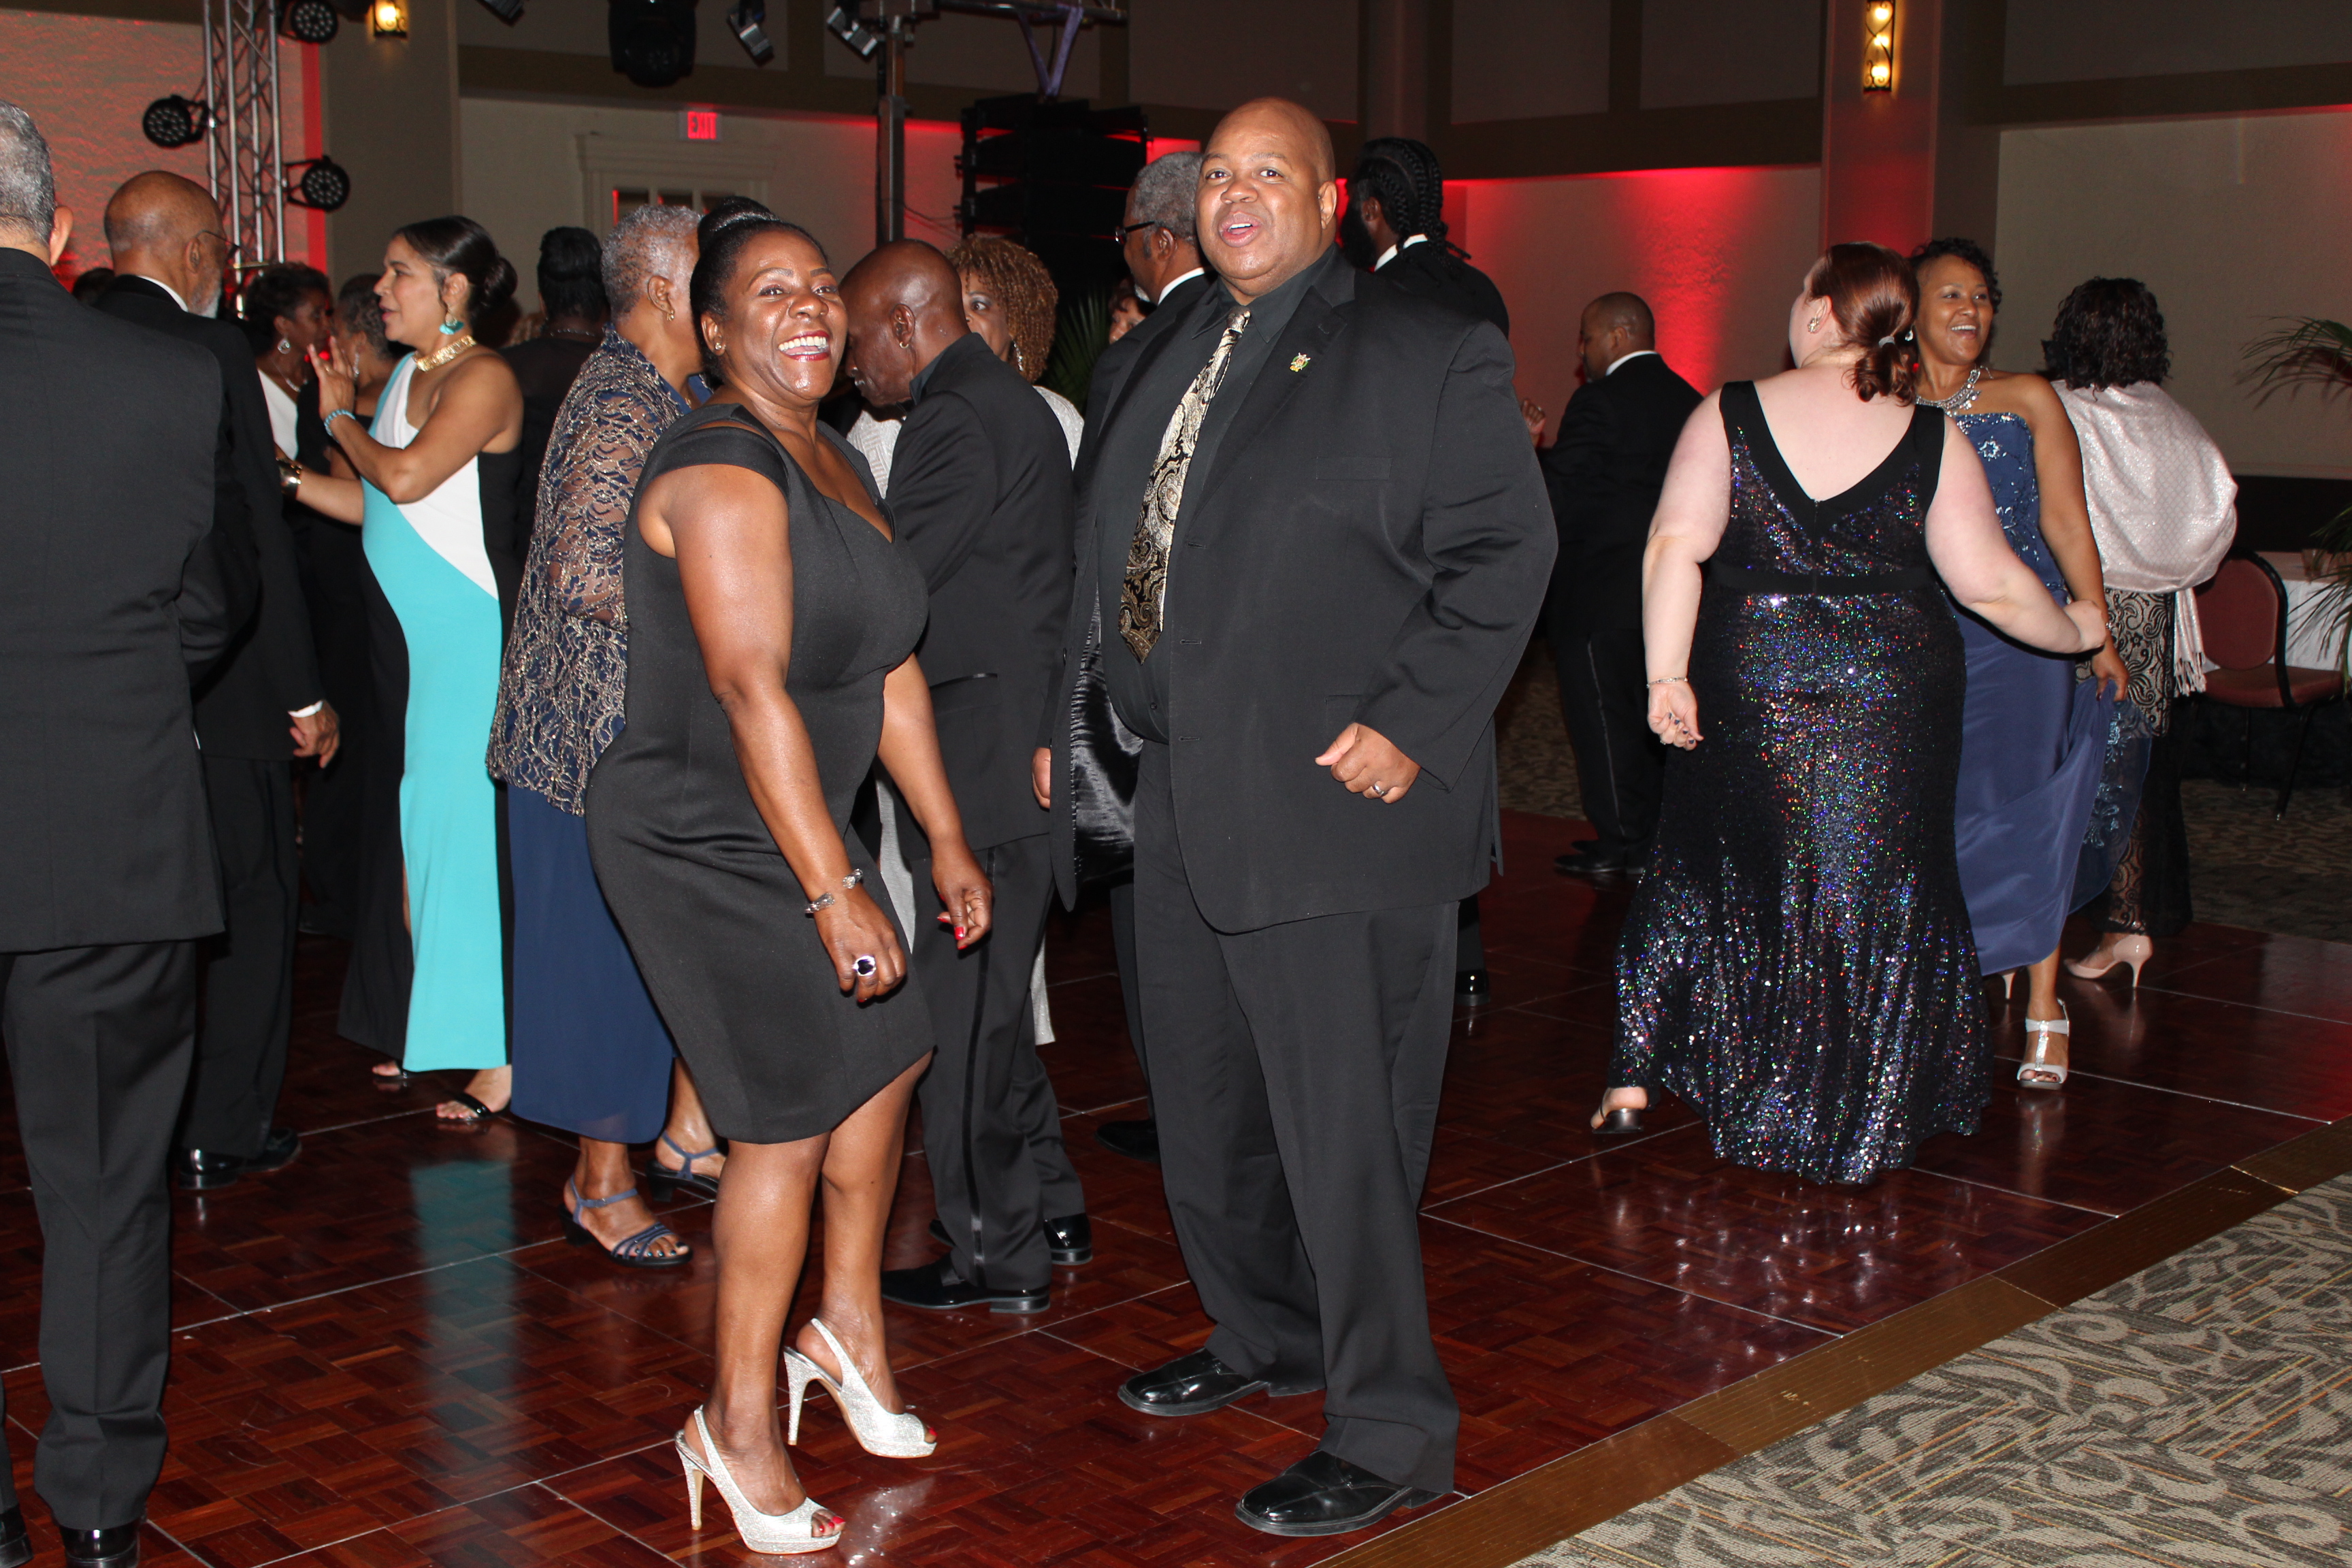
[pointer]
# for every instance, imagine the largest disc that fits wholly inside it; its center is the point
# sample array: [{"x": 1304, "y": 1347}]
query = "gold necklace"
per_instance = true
[{"x": 446, "y": 353}]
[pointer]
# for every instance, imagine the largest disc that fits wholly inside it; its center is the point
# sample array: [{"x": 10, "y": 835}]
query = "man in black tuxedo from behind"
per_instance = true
[
  {"x": 1162, "y": 253},
  {"x": 256, "y": 711},
  {"x": 980, "y": 496},
  {"x": 113, "y": 584},
  {"x": 1604, "y": 470},
  {"x": 1311, "y": 548}
]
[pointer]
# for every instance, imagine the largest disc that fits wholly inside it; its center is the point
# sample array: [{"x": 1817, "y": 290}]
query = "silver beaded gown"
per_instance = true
[{"x": 1797, "y": 965}]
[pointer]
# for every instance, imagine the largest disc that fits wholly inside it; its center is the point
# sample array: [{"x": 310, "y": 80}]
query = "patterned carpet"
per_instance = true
[
  {"x": 2245, "y": 868},
  {"x": 2197, "y": 1415}
]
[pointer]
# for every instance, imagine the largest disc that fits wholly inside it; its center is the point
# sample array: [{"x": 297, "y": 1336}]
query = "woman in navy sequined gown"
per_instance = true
[
  {"x": 1797, "y": 965},
  {"x": 2033, "y": 739}
]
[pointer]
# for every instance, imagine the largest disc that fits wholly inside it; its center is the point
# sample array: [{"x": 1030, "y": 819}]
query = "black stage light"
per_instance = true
[
  {"x": 653, "y": 40},
  {"x": 322, "y": 187},
  {"x": 308, "y": 21},
  {"x": 506, "y": 11},
  {"x": 750, "y": 20},
  {"x": 175, "y": 121},
  {"x": 845, "y": 25}
]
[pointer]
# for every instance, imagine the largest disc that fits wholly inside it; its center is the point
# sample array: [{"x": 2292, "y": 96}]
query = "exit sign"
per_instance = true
[{"x": 699, "y": 125}]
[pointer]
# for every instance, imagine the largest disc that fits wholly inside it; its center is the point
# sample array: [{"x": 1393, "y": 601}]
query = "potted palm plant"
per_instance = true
[{"x": 2311, "y": 350}]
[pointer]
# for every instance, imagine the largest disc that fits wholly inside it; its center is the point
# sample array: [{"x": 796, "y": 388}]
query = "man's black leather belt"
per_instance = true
[{"x": 1732, "y": 579}]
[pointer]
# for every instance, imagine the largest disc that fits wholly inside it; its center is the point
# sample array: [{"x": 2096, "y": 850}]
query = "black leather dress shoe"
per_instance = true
[
  {"x": 115, "y": 1547},
  {"x": 1196, "y": 1385},
  {"x": 277, "y": 1150},
  {"x": 938, "y": 1288},
  {"x": 203, "y": 1171},
  {"x": 1588, "y": 859},
  {"x": 1136, "y": 1139},
  {"x": 15, "y": 1546},
  {"x": 1471, "y": 989},
  {"x": 1069, "y": 1240},
  {"x": 1325, "y": 1495}
]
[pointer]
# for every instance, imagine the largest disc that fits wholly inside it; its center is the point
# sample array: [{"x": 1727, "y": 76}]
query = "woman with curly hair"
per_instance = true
[
  {"x": 1009, "y": 299},
  {"x": 2164, "y": 510}
]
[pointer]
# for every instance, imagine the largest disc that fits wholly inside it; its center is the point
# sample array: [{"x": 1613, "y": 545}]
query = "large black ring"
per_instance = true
[{"x": 863, "y": 965}]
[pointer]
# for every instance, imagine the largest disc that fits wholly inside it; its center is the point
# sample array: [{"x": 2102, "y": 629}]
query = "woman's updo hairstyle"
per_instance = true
[
  {"x": 723, "y": 233},
  {"x": 461, "y": 246},
  {"x": 276, "y": 291},
  {"x": 1875, "y": 298}
]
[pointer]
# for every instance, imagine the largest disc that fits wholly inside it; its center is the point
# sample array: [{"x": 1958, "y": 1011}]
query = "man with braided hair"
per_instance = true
[{"x": 1395, "y": 225}]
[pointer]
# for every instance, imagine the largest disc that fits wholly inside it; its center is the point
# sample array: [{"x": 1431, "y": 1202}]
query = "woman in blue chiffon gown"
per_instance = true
[
  {"x": 2033, "y": 737},
  {"x": 1797, "y": 965}
]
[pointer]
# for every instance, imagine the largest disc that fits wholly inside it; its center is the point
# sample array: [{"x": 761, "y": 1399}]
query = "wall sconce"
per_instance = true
[
  {"x": 1878, "y": 45},
  {"x": 388, "y": 18}
]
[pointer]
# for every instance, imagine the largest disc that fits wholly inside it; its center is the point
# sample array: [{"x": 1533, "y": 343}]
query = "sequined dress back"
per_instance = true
[{"x": 1798, "y": 965}]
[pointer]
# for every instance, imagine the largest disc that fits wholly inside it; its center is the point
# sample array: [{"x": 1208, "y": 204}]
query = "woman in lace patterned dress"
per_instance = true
[
  {"x": 1797, "y": 965},
  {"x": 2164, "y": 509},
  {"x": 2033, "y": 739},
  {"x": 591, "y": 1054}
]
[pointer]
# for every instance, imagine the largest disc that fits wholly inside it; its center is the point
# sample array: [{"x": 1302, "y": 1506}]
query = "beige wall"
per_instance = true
[
  {"x": 523, "y": 171},
  {"x": 1718, "y": 254},
  {"x": 2229, "y": 221}
]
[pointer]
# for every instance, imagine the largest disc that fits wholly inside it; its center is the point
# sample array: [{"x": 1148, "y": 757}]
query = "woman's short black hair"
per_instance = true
[
  {"x": 2109, "y": 332},
  {"x": 357, "y": 310},
  {"x": 1961, "y": 249},
  {"x": 571, "y": 274},
  {"x": 725, "y": 230},
  {"x": 277, "y": 290},
  {"x": 459, "y": 245}
]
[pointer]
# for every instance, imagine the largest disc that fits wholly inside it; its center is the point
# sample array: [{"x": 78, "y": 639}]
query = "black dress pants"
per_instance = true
[
  {"x": 1121, "y": 898},
  {"x": 1295, "y": 1072},
  {"x": 1619, "y": 764},
  {"x": 99, "y": 1045},
  {"x": 992, "y": 1126},
  {"x": 248, "y": 977}
]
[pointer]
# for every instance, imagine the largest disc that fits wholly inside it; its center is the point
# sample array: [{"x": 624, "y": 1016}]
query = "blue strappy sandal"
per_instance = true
[
  {"x": 632, "y": 1252},
  {"x": 664, "y": 1182}
]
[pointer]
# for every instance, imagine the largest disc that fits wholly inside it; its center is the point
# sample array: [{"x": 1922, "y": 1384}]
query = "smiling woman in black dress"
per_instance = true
[{"x": 771, "y": 624}]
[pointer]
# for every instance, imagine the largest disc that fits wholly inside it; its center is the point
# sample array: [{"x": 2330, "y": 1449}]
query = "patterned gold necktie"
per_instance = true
[{"x": 1145, "y": 595}]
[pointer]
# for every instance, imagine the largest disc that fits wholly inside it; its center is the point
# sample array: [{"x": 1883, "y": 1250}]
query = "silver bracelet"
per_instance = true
[
  {"x": 1671, "y": 680},
  {"x": 825, "y": 900}
]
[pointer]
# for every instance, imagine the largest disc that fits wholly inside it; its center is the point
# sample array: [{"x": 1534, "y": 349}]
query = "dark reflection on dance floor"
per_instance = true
[{"x": 387, "y": 1355}]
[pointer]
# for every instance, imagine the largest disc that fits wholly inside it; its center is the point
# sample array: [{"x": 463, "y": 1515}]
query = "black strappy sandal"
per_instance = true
[
  {"x": 475, "y": 1112},
  {"x": 630, "y": 1251},
  {"x": 664, "y": 1182}
]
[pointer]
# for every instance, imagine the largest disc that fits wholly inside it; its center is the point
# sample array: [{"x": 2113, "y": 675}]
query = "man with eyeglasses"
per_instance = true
[{"x": 257, "y": 710}]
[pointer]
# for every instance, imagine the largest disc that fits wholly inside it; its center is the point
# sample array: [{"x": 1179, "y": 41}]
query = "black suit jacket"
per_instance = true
[
  {"x": 272, "y": 669},
  {"x": 1370, "y": 543},
  {"x": 1429, "y": 271},
  {"x": 1604, "y": 472},
  {"x": 107, "y": 585},
  {"x": 979, "y": 492},
  {"x": 1114, "y": 365}
]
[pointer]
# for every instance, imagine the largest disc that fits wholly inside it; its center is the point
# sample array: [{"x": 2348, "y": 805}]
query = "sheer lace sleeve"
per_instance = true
[{"x": 585, "y": 499}]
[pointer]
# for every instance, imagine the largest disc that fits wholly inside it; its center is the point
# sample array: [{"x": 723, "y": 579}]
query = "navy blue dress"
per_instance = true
[
  {"x": 2033, "y": 740},
  {"x": 1797, "y": 964}
]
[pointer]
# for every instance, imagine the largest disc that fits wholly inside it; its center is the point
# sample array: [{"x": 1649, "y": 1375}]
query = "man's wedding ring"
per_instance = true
[
  {"x": 864, "y": 965},
  {"x": 1376, "y": 791}
]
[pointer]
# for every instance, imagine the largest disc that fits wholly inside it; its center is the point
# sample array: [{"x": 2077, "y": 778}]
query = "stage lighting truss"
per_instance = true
[
  {"x": 243, "y": 154},
  {"x": 506, "y": 11},
  {"x": 750, "y": 20},
  {"x": 321, "y": 186},
  {"x": 175, "y": 121}
]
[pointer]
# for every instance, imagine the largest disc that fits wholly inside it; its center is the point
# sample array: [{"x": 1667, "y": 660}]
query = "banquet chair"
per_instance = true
[{"x": 2244, "y": 614}]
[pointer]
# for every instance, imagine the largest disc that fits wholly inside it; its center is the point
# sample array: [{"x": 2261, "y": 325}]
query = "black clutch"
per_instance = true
[{"x": 1104, "y": 757}]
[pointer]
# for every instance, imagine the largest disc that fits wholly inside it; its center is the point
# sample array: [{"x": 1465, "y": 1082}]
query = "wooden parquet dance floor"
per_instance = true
[{"x": 387, "y": 1355}]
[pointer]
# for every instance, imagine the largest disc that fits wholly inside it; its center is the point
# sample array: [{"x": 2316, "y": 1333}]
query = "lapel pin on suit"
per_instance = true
[{"x": 1300, "y": 361}]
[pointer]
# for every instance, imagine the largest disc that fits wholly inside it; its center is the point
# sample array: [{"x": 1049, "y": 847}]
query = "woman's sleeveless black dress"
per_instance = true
[
  {"x": 711, "y": 911},
  {"x": 1798, "y": 964}
]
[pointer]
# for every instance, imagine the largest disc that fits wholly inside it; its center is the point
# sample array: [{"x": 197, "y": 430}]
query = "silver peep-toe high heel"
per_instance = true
[
  {"x": 778, "y": 1534},
  {"x": 892, "y": 1434}
]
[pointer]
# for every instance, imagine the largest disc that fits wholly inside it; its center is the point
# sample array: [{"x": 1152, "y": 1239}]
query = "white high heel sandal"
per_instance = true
[
  {"x": 777, "y": 1534},
  {"x": 892, "y": 1434},
  {"x": 2038, "y": 1071}
]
